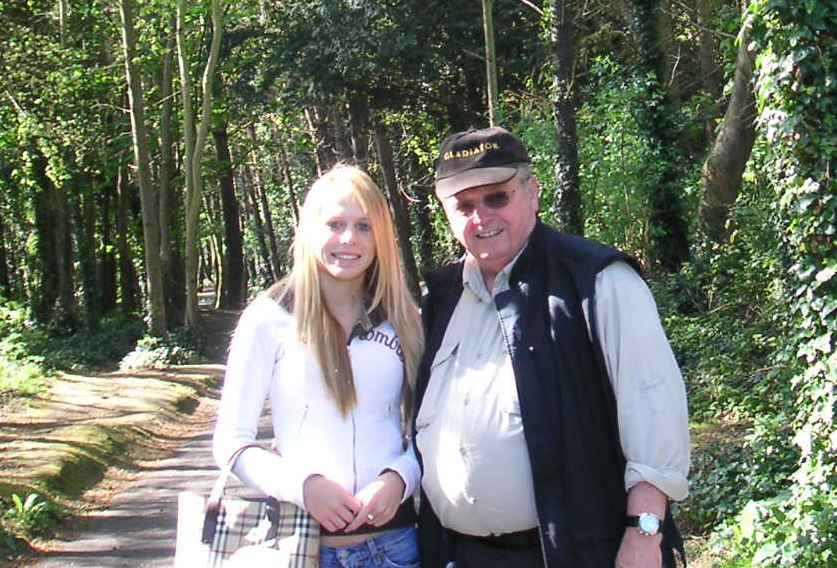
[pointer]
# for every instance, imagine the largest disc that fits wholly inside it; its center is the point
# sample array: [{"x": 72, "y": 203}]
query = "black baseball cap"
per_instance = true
[{"x": 478, "y": 157}]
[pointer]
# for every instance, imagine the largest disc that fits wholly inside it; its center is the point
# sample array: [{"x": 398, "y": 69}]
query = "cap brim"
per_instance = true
[{"x": 473, "y": 178}]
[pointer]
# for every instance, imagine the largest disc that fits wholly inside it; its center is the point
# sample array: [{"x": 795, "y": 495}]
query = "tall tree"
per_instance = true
[
  {"x": 490, "y": 60},
  {"x": 150, "y": 215},
  {"x": 195, "y": 138},
  {"x": 730, "y": 152},
  {"x": 567, "y": 200},
  {"x": 233, "y": 292},
  {"x": 669, "y": 233},
  {"x": 402, "y": 219}
]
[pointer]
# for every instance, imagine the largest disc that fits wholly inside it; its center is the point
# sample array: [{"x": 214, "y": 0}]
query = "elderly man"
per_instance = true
[{"x": 552, "y": 423}]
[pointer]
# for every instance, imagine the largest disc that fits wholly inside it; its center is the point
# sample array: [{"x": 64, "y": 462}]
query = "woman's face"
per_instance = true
[{"x": 345, "y": 239}]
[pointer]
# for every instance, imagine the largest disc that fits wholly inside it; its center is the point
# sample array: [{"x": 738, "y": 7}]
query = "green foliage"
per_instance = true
[
  {"x": 32, "y": 516},
  {"x": 180, "y": 347},
  {"x": 795, "y": 91},
  {"x": 21, "y": 370},
  {"x": 94, "y": 350}
]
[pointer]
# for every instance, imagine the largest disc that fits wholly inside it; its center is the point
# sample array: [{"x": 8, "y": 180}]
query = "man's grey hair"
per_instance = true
[{"x": 524, "y": 174}]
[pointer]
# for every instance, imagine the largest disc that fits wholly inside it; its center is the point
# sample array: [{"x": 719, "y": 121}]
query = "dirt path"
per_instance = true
[{"x": 132, "y": 515}]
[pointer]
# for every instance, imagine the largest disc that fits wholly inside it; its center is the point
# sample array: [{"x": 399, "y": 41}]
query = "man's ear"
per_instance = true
[{"x": 535, "y": 188}]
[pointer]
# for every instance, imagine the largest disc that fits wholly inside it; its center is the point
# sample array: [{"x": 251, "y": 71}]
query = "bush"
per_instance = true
[
  {"x": 33, "y": 516},
  {"x": 99, "y": 349},
  {"x": 180, "y": 347}
]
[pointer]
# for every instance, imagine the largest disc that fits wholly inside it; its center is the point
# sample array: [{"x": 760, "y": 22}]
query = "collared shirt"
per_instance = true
[{"x": 477, "y": 474}]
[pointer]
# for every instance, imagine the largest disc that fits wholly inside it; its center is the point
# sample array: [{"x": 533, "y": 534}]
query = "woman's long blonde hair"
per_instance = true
[{"x": 385, "y": 287}]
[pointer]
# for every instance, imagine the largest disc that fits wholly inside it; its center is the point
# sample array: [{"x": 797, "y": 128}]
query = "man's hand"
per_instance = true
[
  {"x": 380, "y": 500},
  {"x": 330, "y": 505},
  {"x": 639, "y": 550}
]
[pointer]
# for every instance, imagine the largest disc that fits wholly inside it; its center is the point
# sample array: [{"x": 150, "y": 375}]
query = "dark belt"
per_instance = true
[
  {"x": 405, "y": 517},
  {"x": 521, "y": 539}
]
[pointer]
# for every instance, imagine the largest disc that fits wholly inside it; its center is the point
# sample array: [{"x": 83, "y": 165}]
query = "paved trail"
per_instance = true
[{"x": 139, "y": 528}]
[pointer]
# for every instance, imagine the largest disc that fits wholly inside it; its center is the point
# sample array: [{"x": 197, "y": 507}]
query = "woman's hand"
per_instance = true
[
  {"x": 330, "y": 505},
  {"x": 380, "y": 500}
]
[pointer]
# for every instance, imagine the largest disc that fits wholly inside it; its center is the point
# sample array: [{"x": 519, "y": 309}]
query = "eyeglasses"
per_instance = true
[{"x": 495, "y": 200}]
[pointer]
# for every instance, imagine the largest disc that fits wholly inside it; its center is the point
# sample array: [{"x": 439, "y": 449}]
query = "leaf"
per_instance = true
[
  {"x": 826, "y": 274},
  {"x": 766, "y": 553}
]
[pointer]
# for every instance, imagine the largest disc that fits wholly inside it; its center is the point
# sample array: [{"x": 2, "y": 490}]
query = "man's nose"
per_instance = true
[{"x": 480, "y": 214}]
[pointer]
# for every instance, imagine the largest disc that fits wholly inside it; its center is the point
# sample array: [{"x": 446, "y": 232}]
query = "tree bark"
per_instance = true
[
  {"x": 168, "y": 219},
  {"x": 234, "y": 293},
  {"x": 250, "y": 193},
  {"x": 195, "y": 139},
  {"x": 261, "y": 200},
  {"x": 424, "y": 225},
  {"x": 359, "y": 126},
  {"x": 567, "y": 200},
  {"x": 128, "y": 281},
  {"x": 107, "y": 265},
  {"x": 669, "y": 245},
  {"x": 342, "y": 144},
  {"x": 5, "y": 284},
  {"x": 321, "y": 139},
  {"x": 85, "y": 229},
  {"x": 402, "y": 219},
  {"x": 490, "y": 60},
  {"x": 47, "y": 251},
  {"x": 289, "y": 183},
  {"x": 150, "y": 214},
  {"x": 728, "y": 157}
]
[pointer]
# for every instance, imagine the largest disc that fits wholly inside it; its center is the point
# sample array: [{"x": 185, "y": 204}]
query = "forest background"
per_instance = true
[{"x": 149, "y": 148}]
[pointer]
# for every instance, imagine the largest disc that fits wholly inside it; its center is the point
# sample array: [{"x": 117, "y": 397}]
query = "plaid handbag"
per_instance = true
[{"x": 210, "y": 530}]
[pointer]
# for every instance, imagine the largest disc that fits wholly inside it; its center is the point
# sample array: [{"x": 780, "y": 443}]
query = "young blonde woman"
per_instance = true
[{"x": 334, "y": 347}]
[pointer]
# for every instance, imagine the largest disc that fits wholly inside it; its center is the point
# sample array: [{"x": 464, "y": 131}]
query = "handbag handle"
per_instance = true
[{"x": 213, "y": 503}]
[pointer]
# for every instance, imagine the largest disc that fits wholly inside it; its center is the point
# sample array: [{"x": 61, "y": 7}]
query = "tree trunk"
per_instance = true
[
  {"x": 5, "y": 284},
  {"x": 321, "y": 138},
  {"x": 45, "y": 227},
  {"x": 359, "y": 126},
  {"x": 250, "y": 193},
  {"x": 490, "y": 60},
  {"x": 150, "y": 215},
  {"x": 424, "y": 225},
  {"x": 85, "y": 228},
  {"x": 402, "y": 219},
  {"x": 669, "y": 246},
  {"x": 289, "y": 183},
  {"x": 63, "y": 235},
  {"x": 168, "y": 220},
  {"x": 567, "y": 200},
  {"x": 195, "y": 139},
  {"x": 107, "y": 265},
  {"x": 342, "y": 145},
  {"x": 234, "y": 294},
  {"x": 261, "y": 200},
  {"x": 128, "y": 281},
  {"x": 728, "y": 157}
]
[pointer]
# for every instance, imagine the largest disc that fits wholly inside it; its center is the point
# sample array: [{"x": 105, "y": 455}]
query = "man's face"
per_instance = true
[{"x": 493, "y": 221}]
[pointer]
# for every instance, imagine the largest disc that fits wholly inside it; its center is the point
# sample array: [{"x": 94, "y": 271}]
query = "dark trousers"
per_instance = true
[{"x": 473, "y": 554}]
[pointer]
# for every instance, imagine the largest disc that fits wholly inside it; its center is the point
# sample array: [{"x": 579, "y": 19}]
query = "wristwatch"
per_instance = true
[{"x": 648, "y": 523}]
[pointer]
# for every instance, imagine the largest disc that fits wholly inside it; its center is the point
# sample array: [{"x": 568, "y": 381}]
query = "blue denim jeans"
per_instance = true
[{"x": 396, "y": 548}]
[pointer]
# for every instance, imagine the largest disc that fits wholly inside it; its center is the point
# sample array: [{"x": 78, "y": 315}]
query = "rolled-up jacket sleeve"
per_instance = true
[{"x": 649, "y": 388}]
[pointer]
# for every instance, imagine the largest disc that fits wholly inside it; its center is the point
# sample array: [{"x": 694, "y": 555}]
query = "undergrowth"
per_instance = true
[{"x": 31, "y": 354}]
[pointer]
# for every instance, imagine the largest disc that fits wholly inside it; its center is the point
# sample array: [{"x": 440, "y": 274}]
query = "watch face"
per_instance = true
[{"x": 649, "y": 524}]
